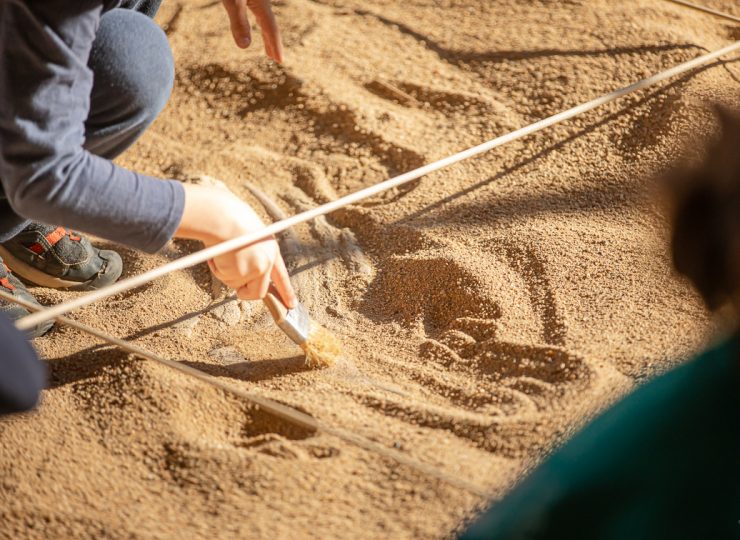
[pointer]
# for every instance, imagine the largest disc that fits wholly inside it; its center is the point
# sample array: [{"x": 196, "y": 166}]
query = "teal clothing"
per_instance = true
[{"x": 662, "y": 463}]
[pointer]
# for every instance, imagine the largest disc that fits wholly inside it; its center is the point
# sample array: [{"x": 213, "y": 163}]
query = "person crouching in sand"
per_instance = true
[{"x": 79, "y": 83}]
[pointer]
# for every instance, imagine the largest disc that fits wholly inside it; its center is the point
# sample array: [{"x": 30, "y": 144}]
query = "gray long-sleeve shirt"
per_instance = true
[{"x": 45, "y": 172}]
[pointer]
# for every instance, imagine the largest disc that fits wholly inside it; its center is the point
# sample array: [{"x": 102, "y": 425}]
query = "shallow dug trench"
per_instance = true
[{"x": 486, "y": 310}]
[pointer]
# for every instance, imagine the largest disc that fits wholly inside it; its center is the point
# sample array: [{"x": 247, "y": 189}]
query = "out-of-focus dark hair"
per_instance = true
[{"x": 706, "y": 220}]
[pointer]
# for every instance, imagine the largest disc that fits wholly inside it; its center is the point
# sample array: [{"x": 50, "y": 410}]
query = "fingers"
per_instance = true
[
  {"x": 281, "y": 280},
  {"x": 255, "y": 289},
  {"x": 229, "y": 276},
  {"x": 251, "y": 274},
  {"x": 218, "y": 274},
  {"x": 268, "y": 25},
  {"x": 237, "y": 11}
]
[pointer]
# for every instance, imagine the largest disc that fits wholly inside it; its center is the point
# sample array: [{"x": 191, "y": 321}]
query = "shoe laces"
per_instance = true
[{"x": 53, "y": 237}]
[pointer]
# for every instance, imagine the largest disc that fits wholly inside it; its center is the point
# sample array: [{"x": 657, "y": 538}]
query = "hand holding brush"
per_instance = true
[{"x": 321, "y": 346}]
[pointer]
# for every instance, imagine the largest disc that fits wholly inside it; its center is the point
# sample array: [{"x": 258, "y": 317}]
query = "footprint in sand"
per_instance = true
[
  {"x": 491, "y": 391},
  {"x": 496, "y": 394}
]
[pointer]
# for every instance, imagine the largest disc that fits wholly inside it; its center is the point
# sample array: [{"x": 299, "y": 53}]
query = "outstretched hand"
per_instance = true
[
  {"x": 213, "y": 214},
  {"x": 262, "y": 10}
]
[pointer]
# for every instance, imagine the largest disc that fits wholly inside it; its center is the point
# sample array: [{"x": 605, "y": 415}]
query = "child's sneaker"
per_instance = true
[
  {"x": 55, "y": 257},
  {"x": 12, "y": 285}
]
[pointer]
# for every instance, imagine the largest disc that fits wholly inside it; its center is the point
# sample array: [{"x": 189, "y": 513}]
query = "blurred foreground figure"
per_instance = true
[
  {"x": 22, "y": 376},
  {"x": 665, "y": 461}
]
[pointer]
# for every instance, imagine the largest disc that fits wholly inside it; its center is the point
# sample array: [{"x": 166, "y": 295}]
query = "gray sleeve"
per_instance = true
[{"x": 45, "y": 172}]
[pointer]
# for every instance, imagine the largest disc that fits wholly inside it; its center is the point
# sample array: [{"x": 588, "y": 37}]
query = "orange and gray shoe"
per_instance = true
[
  {"x": 12, "y": 285},
  {"x": 55, "y": 257}
]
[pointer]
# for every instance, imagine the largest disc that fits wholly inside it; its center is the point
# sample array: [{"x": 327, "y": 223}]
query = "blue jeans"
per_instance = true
[{"x": 133, "y": 72}]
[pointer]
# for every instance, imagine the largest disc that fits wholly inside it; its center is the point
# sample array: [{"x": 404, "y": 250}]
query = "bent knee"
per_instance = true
[{"x": 133, "y": 66}]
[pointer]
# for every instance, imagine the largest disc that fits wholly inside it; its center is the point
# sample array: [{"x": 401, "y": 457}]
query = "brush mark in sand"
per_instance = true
[
  {"x": 518, "y": 388},
  {"x": 462, "y": 348},
  {"x": 509, "y": 437},
  {"x": 527, "y": 263},
  {"x": 428, "y": 288},
  {"x": 446, "y": 386},
  {"x": 446, "y": 102}
]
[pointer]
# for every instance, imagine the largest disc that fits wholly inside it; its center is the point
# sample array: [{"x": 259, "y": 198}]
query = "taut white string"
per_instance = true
[
  {"x": 201, "y": 256},
  {"x": 707, "y": 10},
  {"x": 287, "y": 413}
]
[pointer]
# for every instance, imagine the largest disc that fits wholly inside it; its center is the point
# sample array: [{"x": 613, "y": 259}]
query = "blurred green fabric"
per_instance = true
[{"x": 664, "y": 462}]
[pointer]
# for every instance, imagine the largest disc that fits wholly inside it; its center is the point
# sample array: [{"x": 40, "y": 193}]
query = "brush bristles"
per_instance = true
[{"x": 322, "y": 348}]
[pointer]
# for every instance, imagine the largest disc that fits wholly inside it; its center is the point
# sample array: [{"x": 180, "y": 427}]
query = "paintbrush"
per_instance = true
[{"x": 321, "y": 346}]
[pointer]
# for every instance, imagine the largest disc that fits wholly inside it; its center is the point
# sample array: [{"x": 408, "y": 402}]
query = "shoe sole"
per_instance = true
[{"x": 37, "y": 277}]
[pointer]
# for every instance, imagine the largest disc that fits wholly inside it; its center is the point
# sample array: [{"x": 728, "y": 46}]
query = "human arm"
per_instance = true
[
  {"x": 213, "y": 215},
  {"x": 46, "y": 173},
  {"x": 48, "y": 176}
]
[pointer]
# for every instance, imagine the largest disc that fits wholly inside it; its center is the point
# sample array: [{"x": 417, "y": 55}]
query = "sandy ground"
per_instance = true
[{"x": 487, "y": 310}]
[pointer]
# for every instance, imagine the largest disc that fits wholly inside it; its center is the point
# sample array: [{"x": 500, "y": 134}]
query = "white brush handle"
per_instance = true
[
  {"x": 276, "y": 308},
  {"x": 48, "y": 314}
]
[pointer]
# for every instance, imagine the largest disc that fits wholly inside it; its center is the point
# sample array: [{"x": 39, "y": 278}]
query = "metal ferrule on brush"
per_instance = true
[{"x": 294, "y": 322}]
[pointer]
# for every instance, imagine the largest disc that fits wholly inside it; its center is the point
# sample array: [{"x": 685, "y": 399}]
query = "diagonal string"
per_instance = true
[
  {"x": 289, "y": 414},
  {"x": 707, "y": 10},
  {"x": 239, "y": 242}
]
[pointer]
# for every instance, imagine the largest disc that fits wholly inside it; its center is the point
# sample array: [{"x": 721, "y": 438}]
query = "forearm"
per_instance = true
[{"x": 93, "y": 195}]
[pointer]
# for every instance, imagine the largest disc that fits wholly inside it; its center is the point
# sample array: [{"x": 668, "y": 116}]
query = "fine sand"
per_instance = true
[{"x": 486, "y": 311}]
